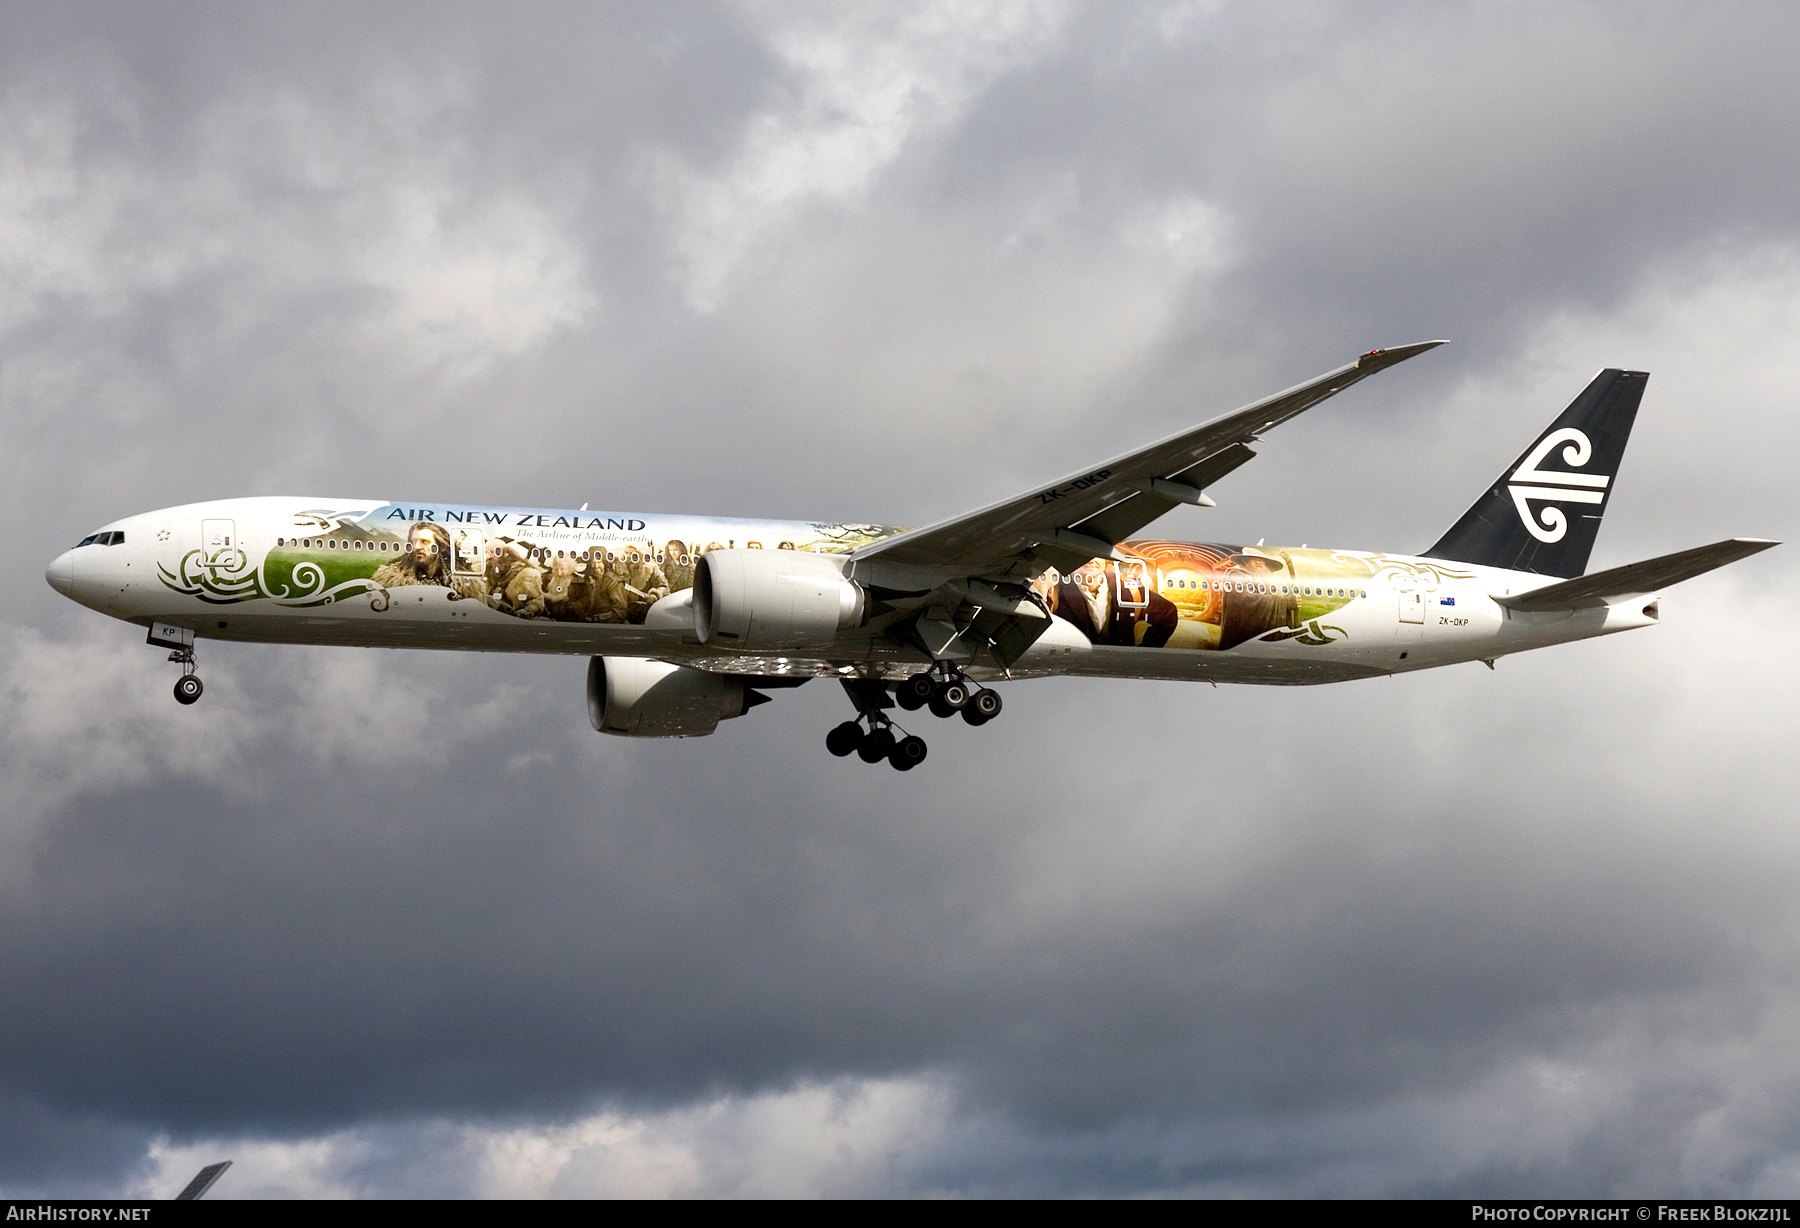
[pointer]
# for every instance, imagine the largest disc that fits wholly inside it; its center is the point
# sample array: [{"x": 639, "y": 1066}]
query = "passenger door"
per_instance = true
[
  {"x": 1131, "y": 585},
  {"x": 219, "y": 548},
  {"x": 1412, "y": 613}
]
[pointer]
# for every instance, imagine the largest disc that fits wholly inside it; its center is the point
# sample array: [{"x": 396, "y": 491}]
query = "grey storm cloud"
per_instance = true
[{"x": 400, "y": 923}]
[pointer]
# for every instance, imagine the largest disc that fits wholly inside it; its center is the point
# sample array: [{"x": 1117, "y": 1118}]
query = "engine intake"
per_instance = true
[
  {"x": 636, "y": 698},
  {"x": 757, "y": 600}
]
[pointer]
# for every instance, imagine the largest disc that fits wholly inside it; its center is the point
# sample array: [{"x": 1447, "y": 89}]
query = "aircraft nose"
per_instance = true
[{"x": 61, "y": 573}]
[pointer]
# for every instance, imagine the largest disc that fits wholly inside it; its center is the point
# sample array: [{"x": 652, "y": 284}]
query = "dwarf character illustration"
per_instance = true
[
  {"x": 515, "y": 583},
  {"x": 427, "y": 561},
  {"x": 645, "y": 583},
  {"x": 678, "y": 565}
]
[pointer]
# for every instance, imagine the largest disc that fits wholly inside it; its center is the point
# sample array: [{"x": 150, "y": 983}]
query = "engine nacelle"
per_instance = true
[
  {"x": 758, "y": 600},
  {"x": 636, "y": 698}
]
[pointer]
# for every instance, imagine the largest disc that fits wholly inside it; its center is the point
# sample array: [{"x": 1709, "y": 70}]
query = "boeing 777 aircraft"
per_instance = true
[{"x": 689, "y": 620}]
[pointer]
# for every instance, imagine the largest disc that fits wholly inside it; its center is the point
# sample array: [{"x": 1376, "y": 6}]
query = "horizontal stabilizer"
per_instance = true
[{"x": 1637, "y": 579}]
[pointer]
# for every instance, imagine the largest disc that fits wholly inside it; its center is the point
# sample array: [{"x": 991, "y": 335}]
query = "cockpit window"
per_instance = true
[
  {"x": 112, "y": 537},
  {"x": 86, "y": 541},
  {"x": 118, "y": 538}
]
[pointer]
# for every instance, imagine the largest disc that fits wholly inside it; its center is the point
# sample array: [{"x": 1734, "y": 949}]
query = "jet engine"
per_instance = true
[
  {"x": 759, "y": 600},
  {"x": 636, "y": 698}
]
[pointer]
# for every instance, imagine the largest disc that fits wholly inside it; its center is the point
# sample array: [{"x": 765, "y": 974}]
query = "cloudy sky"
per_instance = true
[{"x": 381, "y": 923}]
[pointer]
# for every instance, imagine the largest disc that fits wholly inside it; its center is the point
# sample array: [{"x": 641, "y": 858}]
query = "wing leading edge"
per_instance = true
[{"x": 1085, "y": 514}]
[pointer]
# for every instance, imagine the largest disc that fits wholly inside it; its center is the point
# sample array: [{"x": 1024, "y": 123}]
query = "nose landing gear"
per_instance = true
[
  {"x": 188, "y": 687},
  {"x": 180, "y": 642}
]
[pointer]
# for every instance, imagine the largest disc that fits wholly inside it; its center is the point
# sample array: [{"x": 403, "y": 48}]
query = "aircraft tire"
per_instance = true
[
  {"x": 844, "y": 738},
  {"x": 915, "y": 692},
  {"x": 188, "y": 688},
  {"x": 941, "y": 709},
  {"x": 875, "y": 746},
  {"x": 972, "y": 715},
  {"x": 985, "y": 702},
  {"x": 908, "y": 753},
  {"x": 954, "y": 695}
]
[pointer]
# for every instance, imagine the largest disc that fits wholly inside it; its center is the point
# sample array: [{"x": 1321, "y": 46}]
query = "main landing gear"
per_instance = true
[
  {"x": 877, "y": 743},
  {"x": 188, "y": 687},
  {"x": 945, "y": 689}
]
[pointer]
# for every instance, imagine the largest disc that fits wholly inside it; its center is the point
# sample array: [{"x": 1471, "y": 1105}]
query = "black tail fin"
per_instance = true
[{"x": 1543, "y": 513}]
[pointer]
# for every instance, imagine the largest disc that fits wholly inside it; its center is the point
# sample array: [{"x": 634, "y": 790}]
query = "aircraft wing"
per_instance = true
[
  {"x": 1636, "y": 579},
  {"x": 1085, "y": 514}
]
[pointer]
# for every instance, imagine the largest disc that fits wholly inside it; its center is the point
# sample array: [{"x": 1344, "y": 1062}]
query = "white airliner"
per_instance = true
[{"x": 690, "y": 620}]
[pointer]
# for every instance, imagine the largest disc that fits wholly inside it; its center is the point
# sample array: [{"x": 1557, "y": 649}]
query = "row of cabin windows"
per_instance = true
[
  {"x": 332, "y": 543},
  {"x": 1249, "y": 586},
  {"x": 542, "y": 553},
  {"x": 116, "y": 537}
]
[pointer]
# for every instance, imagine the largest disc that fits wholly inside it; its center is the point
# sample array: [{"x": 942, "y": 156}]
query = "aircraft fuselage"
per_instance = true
[{"x": 374, "y": 573}]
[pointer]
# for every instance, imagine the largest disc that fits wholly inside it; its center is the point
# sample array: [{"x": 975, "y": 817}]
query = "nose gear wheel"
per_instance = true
[{"x": 188, "y": 687}]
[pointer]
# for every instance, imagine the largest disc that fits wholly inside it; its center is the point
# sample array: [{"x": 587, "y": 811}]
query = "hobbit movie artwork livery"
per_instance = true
[{"x": 687, "y": 621}]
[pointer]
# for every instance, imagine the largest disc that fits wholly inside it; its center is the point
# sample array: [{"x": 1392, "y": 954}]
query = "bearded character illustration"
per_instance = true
[{"x": 427, "y": 561}]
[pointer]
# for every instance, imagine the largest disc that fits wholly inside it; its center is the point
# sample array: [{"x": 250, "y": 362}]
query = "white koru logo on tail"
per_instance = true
[{"x": 1549, "y": 525}]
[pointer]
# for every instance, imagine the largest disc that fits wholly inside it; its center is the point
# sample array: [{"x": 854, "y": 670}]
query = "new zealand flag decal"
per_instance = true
[{"x": 1447, "y": 601}]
